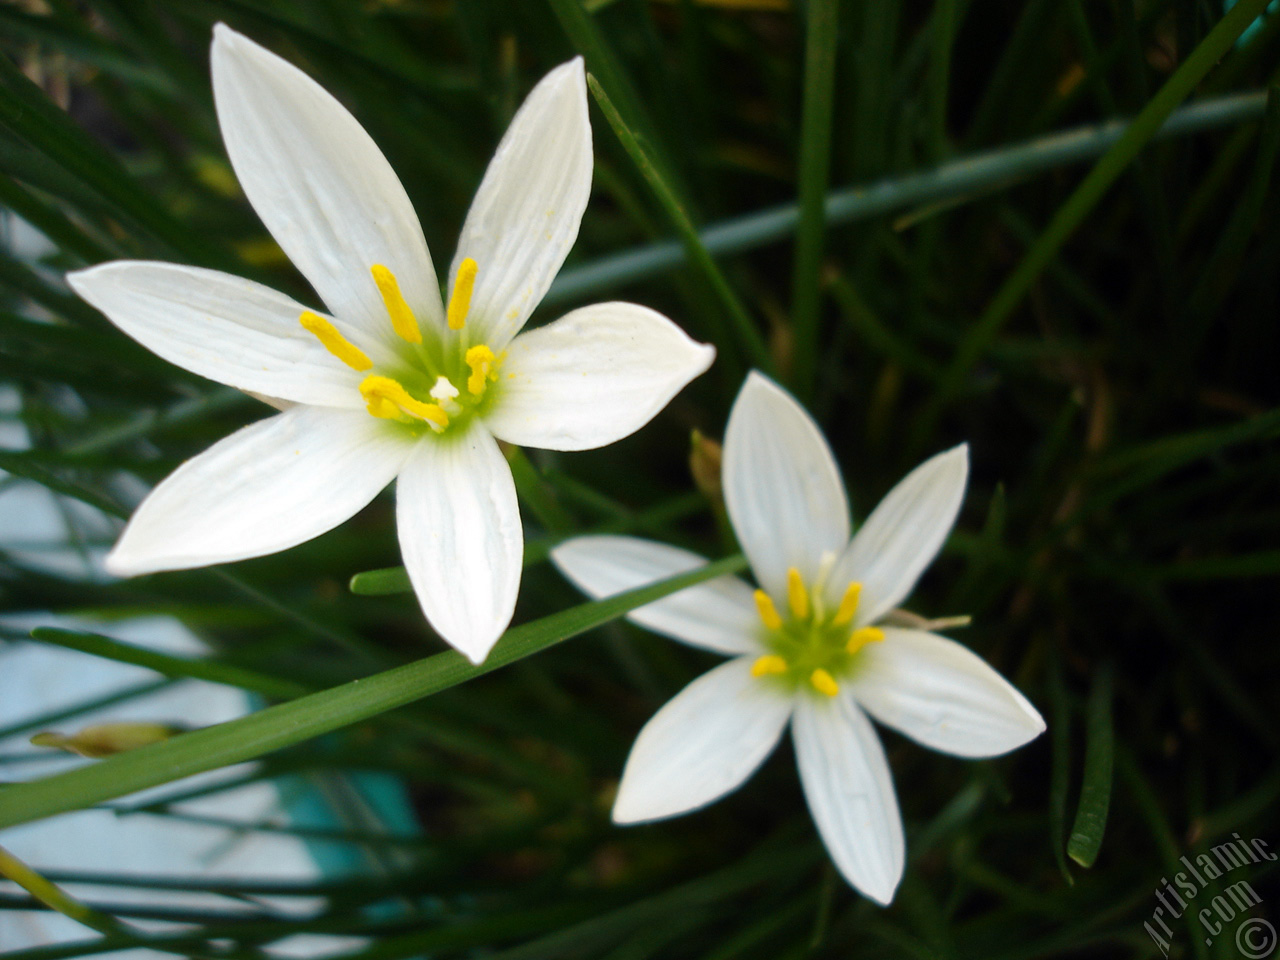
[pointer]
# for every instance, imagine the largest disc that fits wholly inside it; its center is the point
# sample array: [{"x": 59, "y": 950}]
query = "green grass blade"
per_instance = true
[
  {"x": 1095, "y": 788},
  {"x": 814, "y": 166},
  {"x": 697, "y": 253},
  {"x": 97, "y": 645},
  {"x": 289, "y": 723}
]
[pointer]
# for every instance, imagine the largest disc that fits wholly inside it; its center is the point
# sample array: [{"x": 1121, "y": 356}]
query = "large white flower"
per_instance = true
[
  {"x": 806, "y": 647},
  {"x": 391, "y": 382}
]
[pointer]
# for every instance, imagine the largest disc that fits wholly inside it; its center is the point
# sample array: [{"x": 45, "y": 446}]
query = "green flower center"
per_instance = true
[
  {"x": 811, "y": 648},
  {"x": 442, "y": 380}
]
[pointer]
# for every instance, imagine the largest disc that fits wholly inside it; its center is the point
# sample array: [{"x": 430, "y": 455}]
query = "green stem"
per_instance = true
[
  {"x": 972, "y": 175},
  {"x": 815, "y": 164}
]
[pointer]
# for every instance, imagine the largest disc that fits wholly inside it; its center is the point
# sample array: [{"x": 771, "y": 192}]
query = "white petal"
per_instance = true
[
  {"x": 461, "y": 538},
  {"x": 850, "y": 793},
  {"x": 222, "y": 327},
  {"x": 943, "y": 695},
  {"x": 271, "y": 485},
  {"x": 320, "y": 184},
  {"x": 524, "y": 218},
  {"x": 718, "y": 615},
  {"x": 594, "y": 376},
  {"x": 903, "y": 534},
  {"x": 781, "y": 486},
  {"x": 704, "y": 743}
]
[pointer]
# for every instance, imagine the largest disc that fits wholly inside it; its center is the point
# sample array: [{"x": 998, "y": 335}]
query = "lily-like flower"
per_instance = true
[
  {"x": 811, "y": 646},
  {"x": 392, "y": 381}
]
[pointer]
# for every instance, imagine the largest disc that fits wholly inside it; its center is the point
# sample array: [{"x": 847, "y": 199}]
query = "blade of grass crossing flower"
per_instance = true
[
  {"x": 97, "y": 645},
  {"x": 53, "y": 897},
  {"x": 743, "y": 326},
  {"x": 1095, "y": 787},
  {"x": 1082, "y": 201},
  {"x": 815, "y": 164},
  {"x": 289, "y": 723}
]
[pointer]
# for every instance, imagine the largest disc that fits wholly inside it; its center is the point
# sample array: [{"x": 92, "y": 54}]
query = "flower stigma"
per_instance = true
[
  {"x": 424, "y": 386},
  {"x": 810, "y": 648}
]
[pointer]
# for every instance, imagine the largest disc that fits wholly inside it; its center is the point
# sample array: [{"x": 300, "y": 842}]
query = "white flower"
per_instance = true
[
  {"x": 391, "y": 382},
  {"x": 806, "y": 647}
]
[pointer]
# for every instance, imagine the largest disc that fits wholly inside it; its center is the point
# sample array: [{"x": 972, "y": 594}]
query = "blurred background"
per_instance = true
[{"x": 932, "y": 221}]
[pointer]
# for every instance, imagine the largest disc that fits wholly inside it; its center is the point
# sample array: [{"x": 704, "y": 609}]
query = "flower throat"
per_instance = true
[{"x": 443, "y": 380}]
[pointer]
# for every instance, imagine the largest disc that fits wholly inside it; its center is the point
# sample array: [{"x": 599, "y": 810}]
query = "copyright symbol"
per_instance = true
[{"x": 1255, "y": 938}]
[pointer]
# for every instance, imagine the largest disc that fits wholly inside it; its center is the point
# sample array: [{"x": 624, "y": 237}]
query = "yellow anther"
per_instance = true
[
  {"x": 862, "y": 636},
  {"x": 482, "y": 363},
  {"x": 797, "y": 595},
  {"x": 402, "y": 319},
  {"x": 460, "y": 302},
  {"x": 768, "y": 612},
  {"x": 771, "y": 663},
  {"x": 334, "y": 342},
  {"x": 848, "y": 605},
  {"x": 387, "y": 399},
  {"x": 824, "y": 683}
]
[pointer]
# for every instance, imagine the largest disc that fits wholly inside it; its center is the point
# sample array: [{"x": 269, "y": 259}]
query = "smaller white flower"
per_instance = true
[
  {"x": 395, "y": 382},
  {"x": 810, "y": 646}
]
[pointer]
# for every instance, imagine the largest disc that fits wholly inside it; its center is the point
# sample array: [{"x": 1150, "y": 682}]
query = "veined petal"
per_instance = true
[
  {"x": 849, "y": 790},
  {"x": 704, "y": 743},
  {"x": 271, "y": 485},
  {"x": 320, "y": 184},
  {"x": 461, "y": 538},
  {"x": 225, "y": 328},
  {"x": 718, "y": 615},
  {"x": 594, "y": 376},
  {"x": 943, "y": 695},
  {"x": 781, "y": 486},
  {"x": 903, "y": 534},
  {"x": 525, "y": 215}
]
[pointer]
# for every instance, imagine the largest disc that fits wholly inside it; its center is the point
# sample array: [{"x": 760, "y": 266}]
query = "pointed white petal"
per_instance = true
[
  {"x": 850, "y": 792},
  {"x": 594, "y": 376},
  {"x": 461, "y": 538},
  {"x": 718, "y": 615},
  {"x": 271, "y": 485},
  {"x": 903, "y": 534},
  {"x": 943, "y": 695},
  {"x": 230, "y": 330},
  {"x": 524, "y": 218},
  {"x": 320, "y": 185},
  {"x": 781, "y": 486},
  {"x": 704, "y": 743}
]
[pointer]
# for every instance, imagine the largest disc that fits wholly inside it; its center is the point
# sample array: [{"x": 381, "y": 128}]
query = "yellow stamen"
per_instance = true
[
  {"x": 772, "y": 663},
  {"x": 848, "y": 605},
  {"x": 768, "y": 612},
  {"x": 387, "y": 399},
  {"x": 797, "y": 595},
  {"x": 481, "y": 361},
  {"x": 334, "y": 342},
  {"x": 402, "y": 319},
  {"x": 824, "y": 683},
  {"x": 460, "y": 302},
  {"x": 862, "y": 636}
]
